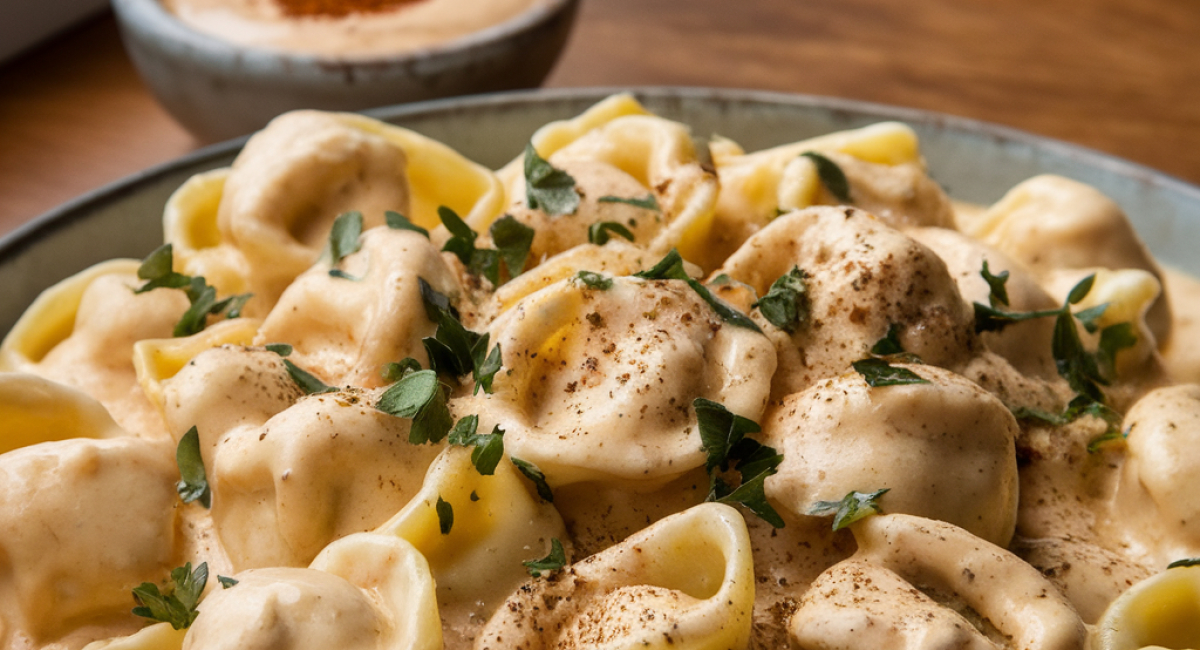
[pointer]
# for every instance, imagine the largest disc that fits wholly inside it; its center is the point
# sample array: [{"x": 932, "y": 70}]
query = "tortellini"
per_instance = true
[{"x": 644, "y": 391}]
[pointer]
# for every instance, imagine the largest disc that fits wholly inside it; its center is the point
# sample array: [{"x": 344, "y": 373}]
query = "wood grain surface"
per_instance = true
[{"x": 1119, "y": 76}]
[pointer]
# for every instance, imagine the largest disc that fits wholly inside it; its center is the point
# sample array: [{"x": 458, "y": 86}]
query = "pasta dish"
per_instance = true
[{"x": 630, "y": 390}]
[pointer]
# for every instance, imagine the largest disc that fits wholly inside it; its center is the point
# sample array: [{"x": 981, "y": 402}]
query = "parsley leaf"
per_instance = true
[
  {"x": 593, "y": 280},
  {"x": 178, "y": 605},
  {"x": 304, "y": 379},
  {"x": 600, "y": 232},
  {"x": 453, "y": 349},
  {"x": 671, "y": 267},
  {"x": 193, "y": 485},
  {"x": 852, "y": 507},
  {"x": 156, "y": 270},
  {"x": 547, "y": 188},
  {"x": 419, "y": 397},
  {"x": 786, "y": 304},
  {"x": 1191, "y": 561},
  {"x": 512, "y": 239},
  {"x": 878, "y": 372},
  {"x": 723, "y": 439},
  {"x": 997, "y": 283},
  {"x": 720, "y": 430},
  {"x": 534, "y": 474},
  {"x": 889, "y": 345},
  {"x": 489, "y": 447},
  {"x": 226, "y": 581},
  {"x": 755, "y": 462},
  {"x": 397, "y": 221},
  {"x": 832, "y": 176},
  {"x": 1088, "y": 317},
  {"x": 343, "y": 236},
  {"x": 394, "y": 372},
  {"x": 1113, "y": 339},
  {"x": 445, "y": 515},
  {"x": 648, "y": 203},
  {"x": 556, "y": 560},
  {"x": 462, "y": 240}
]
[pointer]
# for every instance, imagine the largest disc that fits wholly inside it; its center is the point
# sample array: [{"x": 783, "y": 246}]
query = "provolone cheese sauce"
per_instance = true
[
  {"x": 404, "y": 27},
  {"x": 1005, "y": 510}
]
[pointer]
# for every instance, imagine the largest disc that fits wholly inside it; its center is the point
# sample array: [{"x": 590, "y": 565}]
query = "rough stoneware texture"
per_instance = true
[
  {"x": 218, "y": 90},
  {"x": 975, "y": 161}
]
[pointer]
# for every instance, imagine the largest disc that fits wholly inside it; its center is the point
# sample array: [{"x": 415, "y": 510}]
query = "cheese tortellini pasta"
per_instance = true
[{"x": 632, "y": 390}]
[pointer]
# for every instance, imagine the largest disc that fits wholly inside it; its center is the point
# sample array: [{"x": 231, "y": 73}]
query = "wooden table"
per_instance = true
[{"x": 1115, "y": 75}]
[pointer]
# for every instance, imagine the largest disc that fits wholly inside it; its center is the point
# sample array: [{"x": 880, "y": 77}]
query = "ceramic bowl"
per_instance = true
[
  {"x": 220, "y": 90},
  {"x": 975, "y": 161}
]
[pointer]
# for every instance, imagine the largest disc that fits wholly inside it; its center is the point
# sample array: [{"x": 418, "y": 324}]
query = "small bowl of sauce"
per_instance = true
[{"x": 224, "y": 68}]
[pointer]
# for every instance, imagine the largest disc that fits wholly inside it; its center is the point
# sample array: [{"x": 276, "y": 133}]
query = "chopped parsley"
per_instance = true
[
  {"x": 878, "y": 372},
  {"x": 488, "y": 447},
  {"x": 344, "y": 236},
  {"x": 832, "y": 176},
  {"x": 226, "y": 581},
  {"x": 647, "y": 203},
  {"x": 303, "y": 378},
  {"x": 419, "y": 397},
  {"x": 556, "y": 560},
  {"x": 998, "y": 294},
  {"x": 1186, "y": 562},
  {"x": 671, "y": 267},
  {"x": 445, "y": 515},
  {"x": 723, "y": 439},
  {"x": 157, "y": 271},
  {"x": 548, "y": 188},
  {"x": 852, "y": 507},
  {"x": 786, "y": 304},
  {"x": 394, "y": 372},
  {"x": 397, "y": 221},
  {"x": 600, "y": 232},
  {"x": 454, "y": 350},
  {"x": 535, "y": 475},
  {"x": 193, "y": 485},
  {"x": 176, "y": 604},
  {"x": 511, "y": 237},
  {"x": 593, "y": 280}
]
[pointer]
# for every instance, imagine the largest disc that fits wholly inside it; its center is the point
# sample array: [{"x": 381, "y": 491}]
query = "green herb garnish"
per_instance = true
[
  {"x": 600, "y": 232},
  {"x": 723, "y": 439},
  {"x": 226, "y": 581},
  {"x": 193, "y": 485},
  {"x": 671, "y": 267},
  {"x": 648, "y": 203},
  {"x": 1191, "y": 561},
  {"x": 344, "y": 235},
  {"x": 852, "y": 507},
  {"x": 593, "y": 280},
  {"x": 832, "y": 176},
  {"x": 720, "y": 430},
  {"x": 397, "y": 221},
  {"x": 488, "y": 447},
  {"x": 177, "y": 605},
  {"x": 534, "y": 474},
  {"x": 445, "y": 515},
  {"x": 156, "y": 271},
  {"x": 997, "y": 284},
  {"x": 556, "y": 560},
  {"x": 419, "y": 397},
  {"x": 547, "y": 188},
  {"x": 511, "y": 237},
  {"x": 455, "y": 350},
  {"x": 394, "y": 372},
  {"x": 786, "y": 304},
  {"x": 878, "y": 372},
  {"x": 304, "y": 379}
]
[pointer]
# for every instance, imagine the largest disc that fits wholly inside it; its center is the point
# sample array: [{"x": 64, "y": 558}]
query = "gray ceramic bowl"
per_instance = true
[
  {"x": 974, "y": 161},
  {"x": 220, "y": 90}
]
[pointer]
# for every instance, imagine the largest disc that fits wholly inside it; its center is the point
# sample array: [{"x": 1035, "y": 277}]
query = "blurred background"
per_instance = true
[{"x": 1119, "y": 76}]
